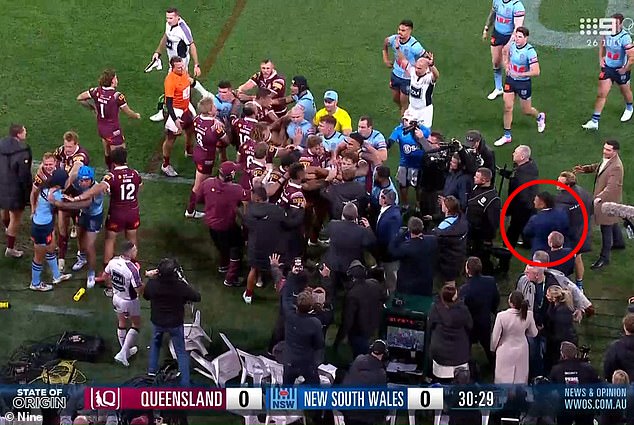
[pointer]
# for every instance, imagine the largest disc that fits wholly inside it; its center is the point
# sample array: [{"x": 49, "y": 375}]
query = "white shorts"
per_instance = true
[
  {"x": 171, "y": 125},
  {"x": 424, "y": 116},
  {"x": 127, "y": 307},
  {"x": 407, "y": 176}
]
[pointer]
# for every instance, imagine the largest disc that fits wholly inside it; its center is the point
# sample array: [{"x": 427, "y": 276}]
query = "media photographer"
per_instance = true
[
  {"x": 412, "y": 141},
  {"x": 168, "y": 291},
  {"x": 479, "y": 153},
  {"x": 434, "y": 170}
]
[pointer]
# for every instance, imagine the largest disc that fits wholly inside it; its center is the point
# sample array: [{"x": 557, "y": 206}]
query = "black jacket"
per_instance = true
[
  {"x": 522, "y": 174},
  {"x": 348, "y": 241},
  {"x": 265, "y": 223},
  {"x": 417, "y": 258},
  {"x": 303, "y": 337},
  {"x": 340, "y": 194},
  {"x": 363, "y": 308},
  {"x": 488, "y": 159},
  {"x": 574, "y": 372},
  {"x": 559, "y": 324},
  {"x": 452, "y": 245},
  {"x": 620, "y": 355},
  {"x": 15, "y": 174},
  {"x": 458, "y": 184},
  {"x": 366, "y": 371},
  {"x": 483, "y": 213},
  {"x": 450, "y": 328},
  {"x": 482, "y": 297},
  {"x": 168, "y": 296},
  {"x": 575, "y": 217}
]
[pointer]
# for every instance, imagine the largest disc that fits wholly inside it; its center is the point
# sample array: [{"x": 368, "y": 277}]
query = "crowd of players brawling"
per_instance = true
[{"x": 298, "y": 166}]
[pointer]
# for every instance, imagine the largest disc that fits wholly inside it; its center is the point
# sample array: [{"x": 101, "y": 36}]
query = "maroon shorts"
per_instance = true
[
  {"x": 204, "y": 160},
  {"x": 205, "y": 167},
  {"x": 114, "y": 137},
  {"x": 120, "y": 220}
]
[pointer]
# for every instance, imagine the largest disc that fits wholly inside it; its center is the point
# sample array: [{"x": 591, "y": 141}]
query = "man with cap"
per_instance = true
[
  {"x": 302, "y": 96},
  {"x": 478, "y": 149},
  {"x": 331, "y": 107},
  {"x": 222, "y": 199}
]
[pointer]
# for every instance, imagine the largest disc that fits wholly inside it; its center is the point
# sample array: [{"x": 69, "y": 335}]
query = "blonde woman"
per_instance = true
[{"x": 558, "y": 324}]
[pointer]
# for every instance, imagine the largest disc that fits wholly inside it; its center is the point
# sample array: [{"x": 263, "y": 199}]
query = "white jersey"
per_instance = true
[
  {"x": 421, "y": 89},
  {"x": 178, "y": 39},
  {"x": 125, "y": 278}
]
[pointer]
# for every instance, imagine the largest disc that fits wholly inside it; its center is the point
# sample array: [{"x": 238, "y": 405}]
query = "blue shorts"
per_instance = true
[
  {"x": 91, "y": 223},
  {"x": 42, "y": 234},
  {"x": 522, "y": 88},
  {"x": 398, "y": 83},
  {"x": 498, "y": 39},
  {"x": 609, "y": 73}
]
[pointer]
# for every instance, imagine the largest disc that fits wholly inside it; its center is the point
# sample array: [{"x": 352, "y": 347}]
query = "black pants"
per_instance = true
[
  {"x": 518, "y": 221},
  {"x": 611, "y": 235},
  {"x": 229, "y": 244},
  {"x": 483, "y": 337},
  {"x": 482, "y": 249}
]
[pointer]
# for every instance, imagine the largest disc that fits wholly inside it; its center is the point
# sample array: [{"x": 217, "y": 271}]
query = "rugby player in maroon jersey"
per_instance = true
[
  {"x": 267, "y": 78},
  {"x": 107, "y": 101},
  {"x": 71, "y": 157},
  {"x": 209, "y": 133},
  {"x": 123, "y": 184}
]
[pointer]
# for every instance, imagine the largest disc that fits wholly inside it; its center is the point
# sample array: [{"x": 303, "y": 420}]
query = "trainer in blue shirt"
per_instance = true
[{"x": 299, "y": 128}]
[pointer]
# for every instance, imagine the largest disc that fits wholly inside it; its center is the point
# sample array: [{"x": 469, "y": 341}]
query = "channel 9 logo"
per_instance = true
[
  {"x": 282, "y": 398},
  {"x": 603, "y": 26}
]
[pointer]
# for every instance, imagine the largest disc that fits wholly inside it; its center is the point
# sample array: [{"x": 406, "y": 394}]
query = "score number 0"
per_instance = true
[
  {"x": 244, "y": 398},
  {"x": 425, "y": 399}
]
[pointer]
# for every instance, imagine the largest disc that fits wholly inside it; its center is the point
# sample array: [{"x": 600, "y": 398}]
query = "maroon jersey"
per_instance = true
[
  {"x": 108, "y": 101},
  {"x": 274, "y": 177},
  {"x": 256, "y": 169},
  {"x": 40, "y": 178},
  {"x": 209, "y": 131},
  {"x": 221, "y": 202},
  {"x": 308, "y": 159},
  {"x": 242, "y": 127},
  {"x": 292, "y": 196},
  {"x": 276, "y": 84},
  {"x": 262, "y": 113},
  {"x": 123, "y": 184},
  {"x": 67, "y": 161}
]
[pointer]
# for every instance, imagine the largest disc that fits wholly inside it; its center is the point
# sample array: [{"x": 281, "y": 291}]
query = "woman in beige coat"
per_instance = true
[{"x": 509, "y": 342}]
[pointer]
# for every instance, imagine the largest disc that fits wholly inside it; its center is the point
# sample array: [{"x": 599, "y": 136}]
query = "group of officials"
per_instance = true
[{"x": 294, "y": 169}]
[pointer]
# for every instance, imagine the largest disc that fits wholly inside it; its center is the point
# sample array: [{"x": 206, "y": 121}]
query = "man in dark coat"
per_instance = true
[
  {"x": 265, "y": 224},
  {"x": 482, "y": 297},
  {"x": 338, "y": 195},
  {"x": 548, "y": 219},
  {"x": 417, "y": 256},
  {"x": 521, "y": 208},
  {"x": 458, "y": 183},
  {"x": 349, "y": 238},
  {"x": 15, "y": 183},
  {"x": 452, "y": 240},
  {"x": 620, "y": 355},
  {"x": 387, "y": 226}
]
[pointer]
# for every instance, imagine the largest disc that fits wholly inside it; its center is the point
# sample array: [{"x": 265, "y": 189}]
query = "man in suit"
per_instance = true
[
  {"x": 521, "y": 208},
  {"x": 387, "y": 226},
  {"x": 417, "y": 256},
  {"x": 482, "y": 297},
  {"x": 608, "y": 187},
  {"x": 349, "y": 238}
]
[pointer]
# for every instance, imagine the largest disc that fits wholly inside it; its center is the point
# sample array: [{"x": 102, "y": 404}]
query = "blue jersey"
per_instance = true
[
  {"x": 615, "y": 49},
  {"x": 96, "y": 206},
  {"x": 305, "y": 126},
  {"x": 411, "y": 151},
  {"x": 224, "y": 108},
  {"x": 307, "y": 101},
  {"x": 44, "y": 210},
  {"x": 412, "y": 50},
  {"x": 376, "y": 192},
  {"x": 331, "y": 143},
  {"x": 377, "y": 140},
  {"x": 505, "y": 13},
  {"x": 521, "y": 59}
]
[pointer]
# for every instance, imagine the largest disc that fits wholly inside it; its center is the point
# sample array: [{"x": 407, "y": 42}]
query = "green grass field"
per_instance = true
[{"x": 54, "y": 50}]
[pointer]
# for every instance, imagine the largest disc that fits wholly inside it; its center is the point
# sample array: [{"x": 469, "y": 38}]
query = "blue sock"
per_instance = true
[
  {"x": 579, "y": 283},
  {"x": 497, "y": 77},
  {"x": 51, "y": 260},
  {"x": 596, "y": 116},
  {"x": 507, "y": 133},
  {"x": 36, "y": 273},
  {"x": 628, "y": 106},
  {"x": 91, "y": 274}
]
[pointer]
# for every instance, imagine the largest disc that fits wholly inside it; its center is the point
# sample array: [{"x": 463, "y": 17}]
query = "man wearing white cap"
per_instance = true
[{"x": 331, "y": 107}]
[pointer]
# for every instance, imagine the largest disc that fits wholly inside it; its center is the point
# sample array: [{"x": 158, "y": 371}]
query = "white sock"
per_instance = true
[
  {"x": 121, "y": 332},
  {"x": 200, "y": 89},
  {"x": 130, "y": 340}
]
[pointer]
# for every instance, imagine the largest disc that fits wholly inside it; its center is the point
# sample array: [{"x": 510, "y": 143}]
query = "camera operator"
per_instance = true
[
  {"x": 458, "y": 182},
  {"x": 521, "y": 208},
  {"x": 168, "y": 292},
  {"x": 411, "y": 138},
  {"x": 433, "y": 174},
  {"x": 480, "y": 152},
  {"x": 483, "y": 215},
  {"x": 572, "y": 370}
]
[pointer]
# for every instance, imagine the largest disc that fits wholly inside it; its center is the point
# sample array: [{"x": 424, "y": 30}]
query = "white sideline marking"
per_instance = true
[
  {"x": 67, "y": 311},
  {"x": 145, "y": 176},
  {"x": 542, "y": 36}
]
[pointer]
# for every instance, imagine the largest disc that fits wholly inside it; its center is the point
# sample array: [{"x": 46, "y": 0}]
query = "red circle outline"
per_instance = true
[{"x": 550, "y": 264}]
